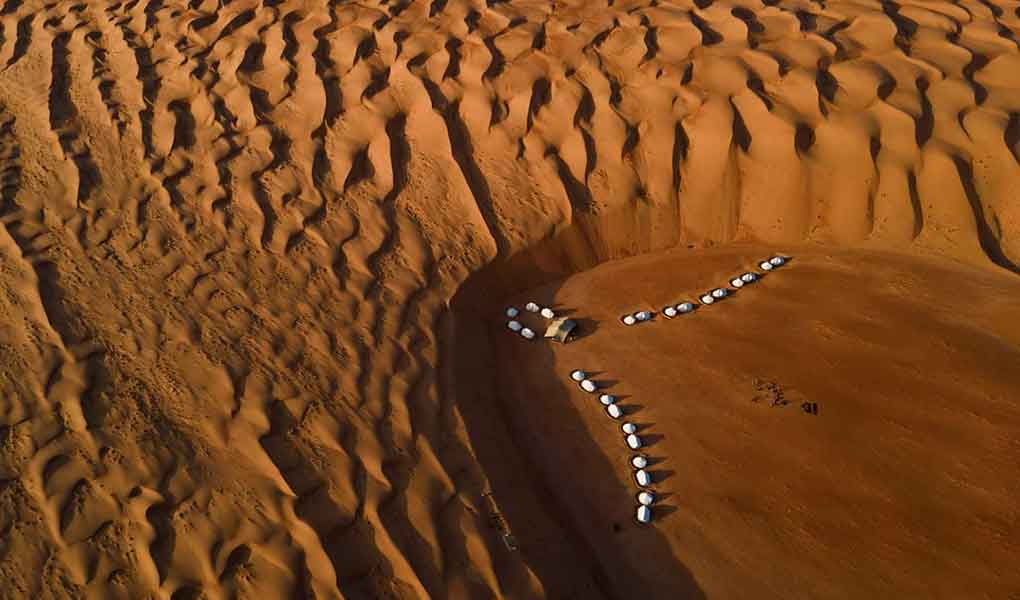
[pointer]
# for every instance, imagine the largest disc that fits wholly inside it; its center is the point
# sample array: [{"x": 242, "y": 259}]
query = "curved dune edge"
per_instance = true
[
  {"x": 231, "y": 231},
  {"x": 901, "y": 483}
]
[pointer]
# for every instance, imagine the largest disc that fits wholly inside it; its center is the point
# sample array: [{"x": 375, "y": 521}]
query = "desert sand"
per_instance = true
[{"x": 254, "y": 257}]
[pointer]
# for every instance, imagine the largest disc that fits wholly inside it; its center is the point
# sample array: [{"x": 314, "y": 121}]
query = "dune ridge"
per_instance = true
[{"x": 231, "y": 230}]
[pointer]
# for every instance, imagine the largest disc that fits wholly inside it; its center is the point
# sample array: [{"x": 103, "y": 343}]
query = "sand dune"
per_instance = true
[
  {"x": 901, "y": 485},
  {"x": 231, "y": 233}
]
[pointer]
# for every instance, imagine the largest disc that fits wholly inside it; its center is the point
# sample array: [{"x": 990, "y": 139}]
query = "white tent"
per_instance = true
[
  {"x": 588, "y": 385},
  {"x": 643, "y": 477},
  {"x": 640, "y": 461},
  {"x": 633, "y": 441},
  {"x": 629, "y": 428},
  {"x": 607, "y": 399},
  {"x": 645, "y": 498},
  {"x": 512, "y": 312},
  {"x": 644, "y": 514},
  {"x": 515, "y": 326}
]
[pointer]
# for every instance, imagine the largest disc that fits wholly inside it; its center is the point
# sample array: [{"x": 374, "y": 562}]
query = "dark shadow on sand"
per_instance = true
[{"x": 526, "y": 482}]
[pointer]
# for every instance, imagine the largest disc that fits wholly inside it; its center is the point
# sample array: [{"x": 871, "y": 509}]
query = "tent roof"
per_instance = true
[{"x": 560, "y": 328}]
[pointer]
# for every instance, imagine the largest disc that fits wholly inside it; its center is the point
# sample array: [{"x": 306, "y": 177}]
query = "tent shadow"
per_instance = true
[
  {"x": 585, "y": 327},
  {"x": 661, "y": 511},
  {"x": 652, "y": 439},
  {"x": 661, "y": 475},
  {"x": 656, "y": 460}
]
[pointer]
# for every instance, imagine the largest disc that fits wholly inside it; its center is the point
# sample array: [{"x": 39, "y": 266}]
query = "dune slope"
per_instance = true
[{"x": 903, "y": 482}]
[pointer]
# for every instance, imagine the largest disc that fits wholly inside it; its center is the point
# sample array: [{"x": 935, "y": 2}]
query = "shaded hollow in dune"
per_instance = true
[
  {"x": 560, "y": 469},
  {"x": 566, "y": 532}
]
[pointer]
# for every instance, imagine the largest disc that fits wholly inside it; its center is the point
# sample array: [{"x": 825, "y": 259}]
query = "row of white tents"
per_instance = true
[
  {"x": 559, "y": 329},
  {"x": 710, "y": 297},
  {"x": 645, "y": 497},
  {"x": 517, "y": 327}
]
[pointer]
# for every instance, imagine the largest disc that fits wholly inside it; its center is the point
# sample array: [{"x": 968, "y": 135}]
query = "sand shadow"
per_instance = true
[{"x": 536, "y": 493}]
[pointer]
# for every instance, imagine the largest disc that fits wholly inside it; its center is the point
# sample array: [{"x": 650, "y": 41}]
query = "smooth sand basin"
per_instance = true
[{"x": 904, "y": 483}]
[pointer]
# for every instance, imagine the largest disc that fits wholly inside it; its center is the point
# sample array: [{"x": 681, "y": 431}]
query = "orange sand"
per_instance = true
[
  {"x": 231, "y": 232},
  {"x": 904, "y": 484}
]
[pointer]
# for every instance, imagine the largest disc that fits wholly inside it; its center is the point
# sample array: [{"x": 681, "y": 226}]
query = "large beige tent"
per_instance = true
[{"x": 560, "y": 329}]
